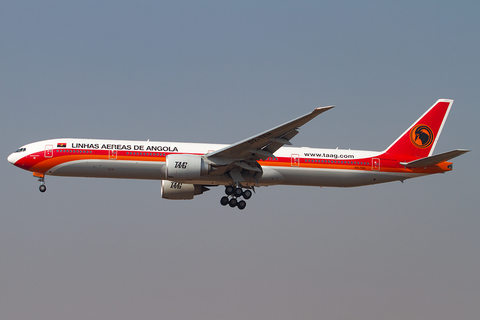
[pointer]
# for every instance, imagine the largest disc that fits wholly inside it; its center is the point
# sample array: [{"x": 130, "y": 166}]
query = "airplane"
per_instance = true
[{"x": 265, "y": 159}]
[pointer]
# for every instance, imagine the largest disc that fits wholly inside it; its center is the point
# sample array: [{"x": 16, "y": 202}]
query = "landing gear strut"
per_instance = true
[{"x": 235, "y": 193}]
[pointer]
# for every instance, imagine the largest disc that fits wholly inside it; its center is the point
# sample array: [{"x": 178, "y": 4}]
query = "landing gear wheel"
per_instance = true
[
  {"x": 228, "y": 190},
  {"x": 224, "y": 201},
  {"x": 233, "y": 202},
  {"x": 238, "y": 192},
  {"x": 247, "y": 194},
  {"x": 241, "y": 205},
  {"x": 42, "y": 188}
]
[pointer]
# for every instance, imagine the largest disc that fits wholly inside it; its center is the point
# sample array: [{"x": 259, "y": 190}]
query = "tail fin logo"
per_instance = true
[{"x": 421, "y": 136}]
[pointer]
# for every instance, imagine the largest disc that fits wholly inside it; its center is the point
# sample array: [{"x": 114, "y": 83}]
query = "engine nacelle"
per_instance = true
[
  {"x": 185, "y": 167},
  {"x": 180, "y": 191}
]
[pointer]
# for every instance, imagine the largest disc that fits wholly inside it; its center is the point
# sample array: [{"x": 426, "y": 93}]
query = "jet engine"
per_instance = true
[
  {"x": 185, "y": 167},
  {"x": 181, "y": 191}
]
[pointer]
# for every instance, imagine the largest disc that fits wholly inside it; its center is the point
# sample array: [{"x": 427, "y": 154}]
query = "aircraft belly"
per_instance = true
[
  {"x": 111, "y": 169},
  {"x": 338, "y": 178},
  {"x": 270, "y": 177}
]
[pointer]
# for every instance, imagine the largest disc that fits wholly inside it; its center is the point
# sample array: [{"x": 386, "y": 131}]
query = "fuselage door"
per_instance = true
[
  {"x": 295, "y": 160},
  {"x": 112, "y": 154},
  {"x": 48, "y": 151},
  {"x": 375, "y": 164}
]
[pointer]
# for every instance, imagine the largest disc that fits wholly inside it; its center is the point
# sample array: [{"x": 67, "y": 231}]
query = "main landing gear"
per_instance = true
[{"x": 235, "y": 193}]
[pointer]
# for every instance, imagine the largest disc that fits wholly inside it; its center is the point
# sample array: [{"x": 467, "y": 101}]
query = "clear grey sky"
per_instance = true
[{"x": 221, "y": 71}]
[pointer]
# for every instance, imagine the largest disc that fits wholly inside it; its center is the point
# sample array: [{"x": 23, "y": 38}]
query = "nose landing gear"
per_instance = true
[
  {"x": 42, "y": 187},
  {"x": 41, "y": 179},
  {"x": 235, "y": 193}
]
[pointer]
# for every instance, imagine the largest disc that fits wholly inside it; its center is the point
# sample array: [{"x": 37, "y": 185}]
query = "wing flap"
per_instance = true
[{"x": 280, "y": 142}]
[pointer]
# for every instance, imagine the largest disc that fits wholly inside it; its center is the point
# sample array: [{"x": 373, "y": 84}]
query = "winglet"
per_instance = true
[{"x": 322, "y": 109}]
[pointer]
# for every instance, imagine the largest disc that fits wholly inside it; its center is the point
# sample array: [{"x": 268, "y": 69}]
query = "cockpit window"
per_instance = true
[{"x": 21, "y": 150}]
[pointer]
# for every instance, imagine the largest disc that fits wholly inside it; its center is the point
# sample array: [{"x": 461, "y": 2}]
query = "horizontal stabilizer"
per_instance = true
[{"x": 433, "y": 160}]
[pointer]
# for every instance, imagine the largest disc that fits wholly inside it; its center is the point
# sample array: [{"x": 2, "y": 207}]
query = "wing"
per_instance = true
[{"x": 264, "y": 145}]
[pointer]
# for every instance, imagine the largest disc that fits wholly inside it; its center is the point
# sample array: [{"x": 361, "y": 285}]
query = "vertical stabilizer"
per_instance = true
[{"x": 421, "y": 137}]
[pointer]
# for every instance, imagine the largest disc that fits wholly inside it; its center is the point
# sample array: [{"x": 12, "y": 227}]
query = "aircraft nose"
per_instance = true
[{"x": 12, "y": 158}]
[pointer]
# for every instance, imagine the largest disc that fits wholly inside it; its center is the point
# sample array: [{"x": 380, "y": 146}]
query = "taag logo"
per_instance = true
[{"x": 421, "y": 136}]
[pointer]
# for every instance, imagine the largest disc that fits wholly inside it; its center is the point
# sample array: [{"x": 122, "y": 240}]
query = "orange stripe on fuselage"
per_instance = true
[{"x": 385, "y": 166}]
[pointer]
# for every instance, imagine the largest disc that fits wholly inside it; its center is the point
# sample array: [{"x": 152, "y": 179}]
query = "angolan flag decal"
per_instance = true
[{"x": 61, "y": 145}]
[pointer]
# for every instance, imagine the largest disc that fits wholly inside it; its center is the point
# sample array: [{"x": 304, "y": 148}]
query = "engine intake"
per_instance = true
[{"x": 185, "y": 167}]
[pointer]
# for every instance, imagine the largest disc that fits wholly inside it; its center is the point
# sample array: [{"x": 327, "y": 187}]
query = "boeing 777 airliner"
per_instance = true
[{"x": 187, "y": 169}]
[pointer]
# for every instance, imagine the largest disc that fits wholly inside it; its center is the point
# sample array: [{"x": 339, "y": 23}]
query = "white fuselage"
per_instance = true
[{"x": 146, "y": 160}]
